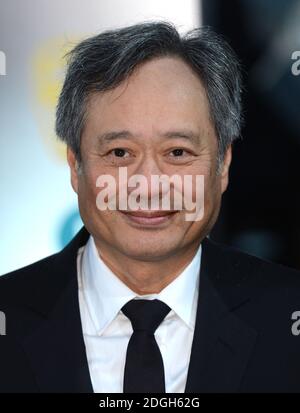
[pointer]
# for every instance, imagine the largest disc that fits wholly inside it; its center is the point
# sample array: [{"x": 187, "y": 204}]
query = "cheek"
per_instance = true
[
  {"x": 87, "y": 189},
  {"x": 212, "y": 194},
  {"x": 206, "y": 177}
]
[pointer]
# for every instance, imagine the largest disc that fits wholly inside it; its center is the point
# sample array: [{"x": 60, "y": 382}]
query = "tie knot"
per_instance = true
[{"x": 145, "y": 315}]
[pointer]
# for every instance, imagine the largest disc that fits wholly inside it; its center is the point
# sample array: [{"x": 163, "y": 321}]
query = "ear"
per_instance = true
[
  {"x": 73, "y": 164},
  {"x": 225, "y": 168}
]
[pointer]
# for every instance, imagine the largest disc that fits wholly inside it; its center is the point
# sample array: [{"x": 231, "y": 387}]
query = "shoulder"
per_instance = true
[
  {"x": 238, "y": 266},
  {"x": 19, "y": 283},
  {"x": 263, "y": 294},
  {"x": 28, "y": 270},
  {"x": 44, "y": 277}
]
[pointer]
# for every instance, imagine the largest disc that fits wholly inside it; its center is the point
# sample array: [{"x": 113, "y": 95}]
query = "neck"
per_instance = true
[{"x": 146, "y": 277}]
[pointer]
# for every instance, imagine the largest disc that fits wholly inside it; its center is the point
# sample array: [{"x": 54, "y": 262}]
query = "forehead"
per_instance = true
[{"x": 164, "y": 93}]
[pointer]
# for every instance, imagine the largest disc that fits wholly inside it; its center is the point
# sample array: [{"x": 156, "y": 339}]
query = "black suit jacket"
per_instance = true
[{"x": 243, "y": 340}]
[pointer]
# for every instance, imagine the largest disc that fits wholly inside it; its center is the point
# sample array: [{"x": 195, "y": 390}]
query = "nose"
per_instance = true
[{"x": 147, "y": 176}]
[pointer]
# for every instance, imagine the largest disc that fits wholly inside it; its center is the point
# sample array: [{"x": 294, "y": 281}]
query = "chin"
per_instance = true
[{"x": 152, "y": 251}]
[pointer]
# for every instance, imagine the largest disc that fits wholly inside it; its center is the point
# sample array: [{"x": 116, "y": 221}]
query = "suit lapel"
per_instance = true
[
  {"x": 56, "y": 349},
  {"x": 222, "y": 342}
]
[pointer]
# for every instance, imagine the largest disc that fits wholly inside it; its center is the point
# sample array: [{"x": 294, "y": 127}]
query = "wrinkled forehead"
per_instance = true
[{"x": 161, "y": 96}]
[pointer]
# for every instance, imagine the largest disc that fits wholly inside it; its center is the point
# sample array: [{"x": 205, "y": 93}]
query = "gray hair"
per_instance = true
[{"x": 102, "y": 62}]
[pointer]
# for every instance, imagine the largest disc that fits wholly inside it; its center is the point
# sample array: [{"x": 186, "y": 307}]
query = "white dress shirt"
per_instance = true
[{"x": 107, "y": 330}]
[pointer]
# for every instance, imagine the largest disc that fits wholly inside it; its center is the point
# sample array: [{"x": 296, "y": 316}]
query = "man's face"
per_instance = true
[{"x": 159, "y": 118}]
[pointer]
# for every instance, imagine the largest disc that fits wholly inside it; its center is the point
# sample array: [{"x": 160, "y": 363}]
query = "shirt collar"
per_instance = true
[{"x": 105, "y": 293}]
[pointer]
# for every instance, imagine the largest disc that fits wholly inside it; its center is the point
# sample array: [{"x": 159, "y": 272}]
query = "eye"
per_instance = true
[
  {"x": 118, "y": 152},
  {"x": 177, "y": 155},
  {"x": 177, "y": 151}
]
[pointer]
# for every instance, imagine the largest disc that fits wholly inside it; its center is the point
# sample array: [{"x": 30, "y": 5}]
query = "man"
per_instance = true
[{"x": 141, "y": 300}]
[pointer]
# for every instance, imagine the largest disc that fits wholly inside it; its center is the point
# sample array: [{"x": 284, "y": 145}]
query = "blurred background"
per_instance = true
[
  {"x": 39, "y": 213},
  {"x": 260, "y": 211}
]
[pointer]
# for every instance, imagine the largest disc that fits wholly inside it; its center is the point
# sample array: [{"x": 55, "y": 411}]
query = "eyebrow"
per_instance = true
[{"x": 124, "y": 134}]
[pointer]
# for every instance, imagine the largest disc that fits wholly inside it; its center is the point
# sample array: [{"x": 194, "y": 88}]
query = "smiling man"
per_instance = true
[{"x": 141, "y": 300}]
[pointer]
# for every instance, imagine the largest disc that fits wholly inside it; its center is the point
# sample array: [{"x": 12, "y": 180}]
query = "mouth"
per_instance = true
[{"x": 149, "y": 218}]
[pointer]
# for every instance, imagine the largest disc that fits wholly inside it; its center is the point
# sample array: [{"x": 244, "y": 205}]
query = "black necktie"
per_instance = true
[{"x": 144, "y": 369}]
